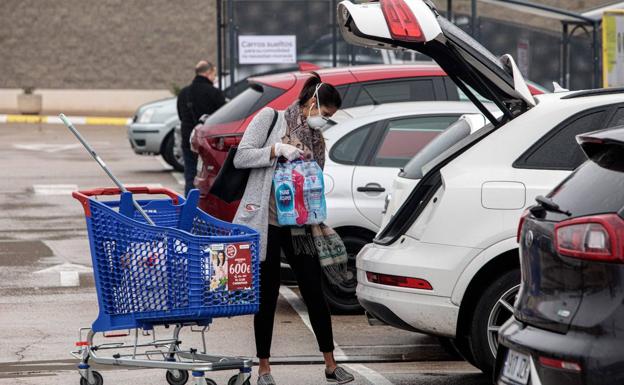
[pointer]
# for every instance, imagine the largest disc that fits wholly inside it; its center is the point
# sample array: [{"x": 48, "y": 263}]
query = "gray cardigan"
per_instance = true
[{"x": 254, "y": 152}]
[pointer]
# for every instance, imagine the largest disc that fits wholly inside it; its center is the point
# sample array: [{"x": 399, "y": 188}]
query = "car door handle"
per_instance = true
[{"x": 371, "y": 187}]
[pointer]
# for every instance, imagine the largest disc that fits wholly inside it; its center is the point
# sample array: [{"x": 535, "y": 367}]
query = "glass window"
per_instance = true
[
  {"x": 404, "y": 138},
  {"x": 395, "y": 91},
  {"x": 348, "y": 148},
  {"x": 342, "y": 90},
  {"x": 246, "y": 103},
  {"x": 559, "y": 151},
  {"x": 593, "y": 189},
  {"x": 447, "y": 139},
  {"x": 618, "y": 118},
  {"x": 464, "y": 98}
]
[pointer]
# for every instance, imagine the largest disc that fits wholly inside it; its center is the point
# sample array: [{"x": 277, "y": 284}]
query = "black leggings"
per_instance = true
[{"x": 308, "y": 272}]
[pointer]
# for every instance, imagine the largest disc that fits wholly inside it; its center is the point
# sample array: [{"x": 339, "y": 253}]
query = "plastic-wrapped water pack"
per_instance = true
[{"x": 299, "y": 193}]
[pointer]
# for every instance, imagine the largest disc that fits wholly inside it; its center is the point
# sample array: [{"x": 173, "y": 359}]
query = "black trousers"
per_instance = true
[
  {"x": 308, "y": 273},
  {"x": 190, "y": 169}
]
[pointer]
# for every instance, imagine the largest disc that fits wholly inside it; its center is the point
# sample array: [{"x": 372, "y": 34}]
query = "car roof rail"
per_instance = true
[{"x": 596, "y": 92}]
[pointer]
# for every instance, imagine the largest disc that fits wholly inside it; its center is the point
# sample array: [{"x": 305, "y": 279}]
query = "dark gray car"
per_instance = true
[{"x": 568, "y": 320}]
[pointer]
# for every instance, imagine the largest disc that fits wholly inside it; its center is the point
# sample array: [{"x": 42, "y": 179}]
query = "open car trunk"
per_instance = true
[
  {"x": 416, "y": 25},
  {"x": 422, "y": 29}
]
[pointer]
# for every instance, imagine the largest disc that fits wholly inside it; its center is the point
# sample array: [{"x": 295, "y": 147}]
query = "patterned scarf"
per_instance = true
[{"x": 320, "y": 240}]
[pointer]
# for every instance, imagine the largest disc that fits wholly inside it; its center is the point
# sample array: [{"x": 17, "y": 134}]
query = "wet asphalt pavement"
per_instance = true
[{"x": 42, "y": 232}]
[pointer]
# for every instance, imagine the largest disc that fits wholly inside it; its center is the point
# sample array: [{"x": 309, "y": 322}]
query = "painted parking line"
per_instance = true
[
  {"x": 178, "y": 176},
  {"x": 54, "y": 189},
  {"x": 53, "y": 119},
  {"x": 297, "y": 304},
  {"x": 163, "y": 163},
  {"x": 68, "y": 189},
  {"x": 46, "y": 147},
  {"x": 371, "y": 376}
]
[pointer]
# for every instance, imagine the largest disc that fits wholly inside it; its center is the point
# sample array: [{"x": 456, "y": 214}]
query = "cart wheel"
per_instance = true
[
  {"x": 233, "y": 379},
  {"x": 96, "y": 375},
  {"x": 177, "y": 377},
  {"x": 210, "y": 382}
]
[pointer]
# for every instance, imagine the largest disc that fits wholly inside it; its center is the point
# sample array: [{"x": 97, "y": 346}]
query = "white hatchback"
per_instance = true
[
  {"x": 365, "y": 151},
  {"x": 447, "y": 261}
]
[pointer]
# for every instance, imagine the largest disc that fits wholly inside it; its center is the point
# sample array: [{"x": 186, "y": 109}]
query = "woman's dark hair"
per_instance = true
[
  {"x": 220, "y": 261},
  {"x": 328, "y": 94}
]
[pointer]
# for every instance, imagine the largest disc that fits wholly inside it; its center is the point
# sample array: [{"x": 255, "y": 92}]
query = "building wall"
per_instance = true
[
  {"x": 104, "y": 44},
  {"x": 138, "y": 44}
]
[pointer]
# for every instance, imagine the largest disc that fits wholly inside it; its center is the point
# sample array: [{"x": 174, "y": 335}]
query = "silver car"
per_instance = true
[{"x": 152, "y": 131}]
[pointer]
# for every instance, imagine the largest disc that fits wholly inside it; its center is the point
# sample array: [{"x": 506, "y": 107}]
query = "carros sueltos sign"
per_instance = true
[{"x": 267, "y": 49}]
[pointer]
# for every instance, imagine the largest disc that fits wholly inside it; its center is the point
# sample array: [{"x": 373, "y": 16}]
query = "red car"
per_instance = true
[{"x": 359, "y": 86}]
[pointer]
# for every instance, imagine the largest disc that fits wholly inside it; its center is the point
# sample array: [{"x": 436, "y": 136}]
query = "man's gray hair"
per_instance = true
[{"x": 203, "y": 67}]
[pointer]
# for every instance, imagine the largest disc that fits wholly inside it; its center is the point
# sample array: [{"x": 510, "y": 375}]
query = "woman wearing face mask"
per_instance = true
[{"x": 296, "y": 134}]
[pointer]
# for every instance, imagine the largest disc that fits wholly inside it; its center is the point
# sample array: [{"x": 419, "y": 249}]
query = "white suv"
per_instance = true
[
  {"x": 447, "y": 262},
  {"x": 365, "y": 151}
]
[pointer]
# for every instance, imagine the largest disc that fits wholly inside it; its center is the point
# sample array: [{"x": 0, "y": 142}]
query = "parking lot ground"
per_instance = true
[{"x": 42, "y": 232}]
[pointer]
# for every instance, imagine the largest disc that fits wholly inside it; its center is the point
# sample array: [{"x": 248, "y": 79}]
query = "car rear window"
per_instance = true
[
  {"x": 245, "y": 104},
  {"x": 593, "y": 189},
  {"x": 456, "y": 132},
  {"x": 395, "y": 91},
  {"x": 406, "y": 137}
]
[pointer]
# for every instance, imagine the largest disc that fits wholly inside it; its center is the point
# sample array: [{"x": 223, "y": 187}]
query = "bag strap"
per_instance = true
[{"x": 272, "y": 125}]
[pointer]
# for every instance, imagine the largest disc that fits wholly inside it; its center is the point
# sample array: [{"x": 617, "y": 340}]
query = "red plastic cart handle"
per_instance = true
[{"x": 83, "y": 195}]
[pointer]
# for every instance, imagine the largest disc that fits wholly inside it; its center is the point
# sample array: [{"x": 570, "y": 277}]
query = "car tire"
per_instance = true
[
  {"x": 463, "y": 347},
  {"x": 494, "y": 307},
  {"x": 341, "y": 298},
  {"x": 168, "y": 154},
  {"x": 450, "y": 348}
]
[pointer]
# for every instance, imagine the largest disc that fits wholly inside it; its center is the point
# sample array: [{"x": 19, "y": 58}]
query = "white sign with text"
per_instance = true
[{"x": 267, "y": 49}]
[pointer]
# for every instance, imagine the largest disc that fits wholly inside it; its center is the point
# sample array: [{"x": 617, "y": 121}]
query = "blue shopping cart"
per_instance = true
[{"x": 183, "y": 269}]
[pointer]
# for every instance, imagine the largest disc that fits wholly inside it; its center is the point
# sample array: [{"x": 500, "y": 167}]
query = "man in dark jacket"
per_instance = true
[{"x": 199, "y": 98}]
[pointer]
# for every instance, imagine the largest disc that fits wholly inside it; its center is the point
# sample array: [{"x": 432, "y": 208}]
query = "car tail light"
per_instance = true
[
  {"x": 224, "y": 142},
  {"x": 560, "y": 364},
  {"x": 523, "y": 218},
  {"x": 401, "y": 21},
  {"x": 594, "y": 238},
  {"x": 398, "y": 281}
]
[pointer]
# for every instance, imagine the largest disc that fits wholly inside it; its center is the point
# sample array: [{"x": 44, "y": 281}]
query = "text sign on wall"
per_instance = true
[
  {"x": 267, "y": 49},
  {"x": 613, "y": 48}
]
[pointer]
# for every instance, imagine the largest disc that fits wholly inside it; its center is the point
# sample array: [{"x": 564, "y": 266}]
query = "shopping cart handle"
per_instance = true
[
  {"x": 83, "y": 195},
  {"x": 135, "y": 190}
]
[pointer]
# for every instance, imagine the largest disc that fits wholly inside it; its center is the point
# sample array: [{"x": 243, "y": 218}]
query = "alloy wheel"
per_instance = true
[{"x": 500, "y": 313}]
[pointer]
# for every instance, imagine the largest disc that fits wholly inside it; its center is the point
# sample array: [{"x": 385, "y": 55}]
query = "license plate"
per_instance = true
[{"x": 517, "y": 367}]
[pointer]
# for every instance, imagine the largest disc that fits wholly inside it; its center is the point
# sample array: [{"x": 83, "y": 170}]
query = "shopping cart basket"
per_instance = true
[{"x": 184, "y": 270}]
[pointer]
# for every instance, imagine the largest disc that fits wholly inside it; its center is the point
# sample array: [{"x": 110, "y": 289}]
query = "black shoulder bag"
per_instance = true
[{"x": 230, "y": 183}]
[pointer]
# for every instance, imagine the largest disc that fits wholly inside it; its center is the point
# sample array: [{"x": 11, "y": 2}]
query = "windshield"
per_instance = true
[
  {"x": 245, "y": 104},
  {"x": 453, "y": 134}
]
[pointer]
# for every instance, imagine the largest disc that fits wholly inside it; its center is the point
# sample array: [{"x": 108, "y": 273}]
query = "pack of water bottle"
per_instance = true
[{"x": 299, "y": 193}]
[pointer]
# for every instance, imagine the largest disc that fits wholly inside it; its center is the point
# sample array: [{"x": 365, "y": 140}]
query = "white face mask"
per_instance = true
[{"x": 316, "y": 122}]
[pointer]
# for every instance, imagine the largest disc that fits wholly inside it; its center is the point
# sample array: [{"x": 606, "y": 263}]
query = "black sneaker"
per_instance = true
[{"x": 339, "y": 376}]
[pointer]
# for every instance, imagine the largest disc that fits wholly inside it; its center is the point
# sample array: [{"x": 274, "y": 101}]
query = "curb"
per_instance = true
[{"x": 52, "y": 119}]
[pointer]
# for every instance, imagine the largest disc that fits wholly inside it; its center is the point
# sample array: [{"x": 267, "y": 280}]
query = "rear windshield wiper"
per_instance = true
[{"x": 548, "y": 205}]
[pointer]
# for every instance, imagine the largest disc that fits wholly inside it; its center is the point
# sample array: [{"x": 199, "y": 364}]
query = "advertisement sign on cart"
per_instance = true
[{"x": 230, "y": 266}]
